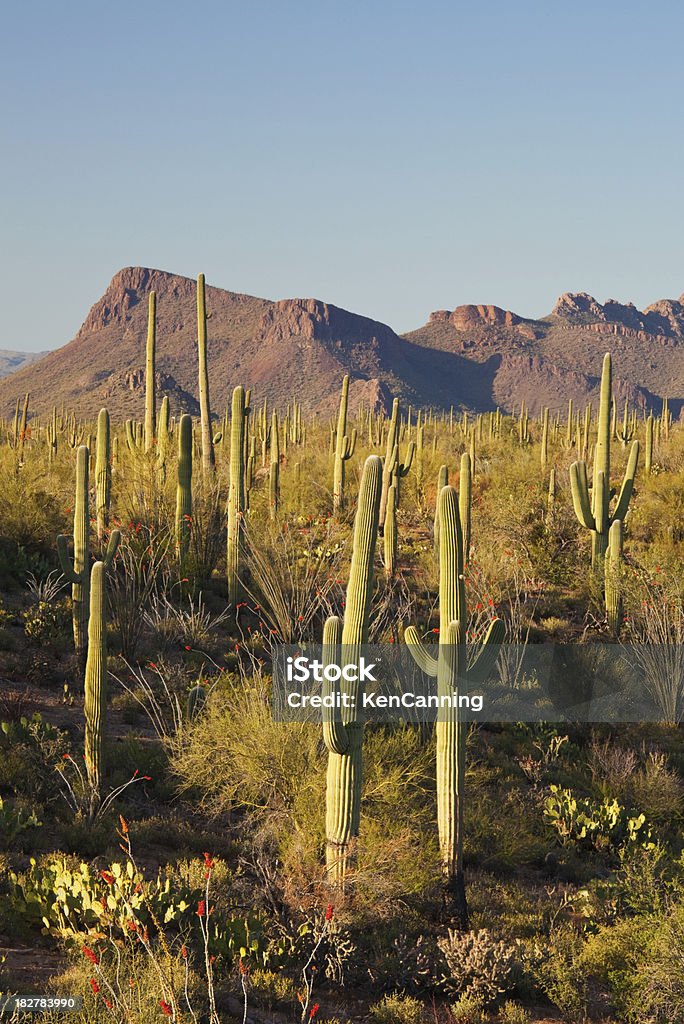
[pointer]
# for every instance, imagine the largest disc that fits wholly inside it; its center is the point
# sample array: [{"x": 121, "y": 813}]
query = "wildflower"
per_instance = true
[
  {"x": 124, "y": 826},
  {"x": 329, "y": 912},
  {"x": 94, "y": 985},
  {"x": 88, "y": 953},
  {"x": 208, "y": 861},
  {"x": 244, "y": 969},
  {"x": 314, "y": 1010},
  {"x": 108, "y": 1003},
  {"x": 165, "y": 1008},
  {"x": 201, "y": 908},
  {"x": 184, "y": 952}
]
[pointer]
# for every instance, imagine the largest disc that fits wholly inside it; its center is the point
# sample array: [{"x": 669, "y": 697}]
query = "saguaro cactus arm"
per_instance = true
[
  {"x": 627, "y": 483},
  {"x": 579, "y": 487}
]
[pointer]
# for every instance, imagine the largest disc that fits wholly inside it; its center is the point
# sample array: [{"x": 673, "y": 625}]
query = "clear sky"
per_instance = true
[{"x": 392, "y": 157}]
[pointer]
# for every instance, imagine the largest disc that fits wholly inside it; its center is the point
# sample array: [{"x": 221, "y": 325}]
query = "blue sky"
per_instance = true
[{"x": 390, "y": 157}]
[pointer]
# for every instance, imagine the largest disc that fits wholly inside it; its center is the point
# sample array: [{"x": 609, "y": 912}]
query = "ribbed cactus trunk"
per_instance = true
[
  {"x": 163, "y": 440},
  {"x": 184, "y": 488},
  {"x": 451, "y": 671},
  {"x": 389, "y": 535},
  {"x": 442, "y": 481},
  {"x": 465, "y": 499},
  {"x": 237, "y": 493},
  {"x": 613, "y": 578},
  {"x": 593, "y": 511},
  {"x": 208, "y": 458},
  {"x": 77, "y": 571},
  {"x": 103, "y": 474},
  {"x": 648, "y": 458},
  {"x": 95, "y": 705},
  {"x": 150, "y": 382},
  {"x": 344, "y": 737},
  {"x": 344, "y": 448},
  {"x": 274, "y": 472}
]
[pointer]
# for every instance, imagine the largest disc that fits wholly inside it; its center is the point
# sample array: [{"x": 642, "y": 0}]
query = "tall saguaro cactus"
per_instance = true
[
  {"x": 237, "y": 494},
  {"x": 613, "y": 582},
  {"x": 208, "y": 457},
  {"x": 594, "y": 513},
  {"x": 451, "y": 670},
  {"x": 184, "y": 487},
  {"x": 344, "y": 734},
  {"x": 344, "y": 447},
  {"x": 77, "y": 571},
  {"x": 393, "y": 468},
  {"x": 95, "y": 704},
  {"x": 150, "y": 381},
  {"x": 103, "y": 473}
]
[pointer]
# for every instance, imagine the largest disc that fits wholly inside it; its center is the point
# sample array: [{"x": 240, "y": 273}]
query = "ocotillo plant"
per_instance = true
[
  {"x": 452, "y": 672},
  {"x": 237, "y": 493},
  {"x": 150, "y": 383},
  {"x": 595, "y": 514},
  {"x": 184, "y": 488},
  {"x": 343, "y": 734},
  {"x": 344, "y": 447},
  {"x": 103, "y": 474},
  {"x": 208, "y": 458},
  {"x": 95, "y": 703}
]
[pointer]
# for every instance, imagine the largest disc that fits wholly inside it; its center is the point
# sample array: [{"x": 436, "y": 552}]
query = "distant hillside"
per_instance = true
[
  {"x": 475, "y": 357},
  {"x": 11, "y": 361}
]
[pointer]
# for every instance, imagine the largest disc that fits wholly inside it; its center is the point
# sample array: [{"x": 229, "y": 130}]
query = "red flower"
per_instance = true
[
  {"x": 94, "y": 985},
  {"x": 165, "y": 1008},
  {"x": 88, "y": 953},
  {"x": 109, "y": 878},
  {"x": 208, "y": 861},
  {"x": 201, "y": 908},
  {"x": 314, "y": 1010},
  {"x": 329, "y": 912},
  {"x": 184, "y": 952}
]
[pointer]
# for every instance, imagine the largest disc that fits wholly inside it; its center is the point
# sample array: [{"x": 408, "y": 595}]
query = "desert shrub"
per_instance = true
[
  {"x": 30, "y": 748},
  {"x": 397, "y": 1009},
  {"x": 655, "y": 991},
  {"x": 478, "y": 965},
  {"x": 468, "y": 1010},
  {"x": 48, "y": 623},
  {"x": 513, "y": 1013},
  {"x": 657, "y": 789},
  {"x": 561, "y": 974},
  {"x": 612, "y": 955}
]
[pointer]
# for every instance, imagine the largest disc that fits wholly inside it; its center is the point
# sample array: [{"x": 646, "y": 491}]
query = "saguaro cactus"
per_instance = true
[
  {"x": 184, "y": 487},
  {"x": 344, "y": 447},
  {"x": 613, "y": 581},
  {"x": 451, "y": 671},
  {"x": 208, "y": 457},
  {"x": 274, "y": 472},
  {"x": 163, "y": 438},
  {"x": 344, "y": 734},
  {"x": 95, "y": 704},
  {"x": 594, "y": 514},
  {"x": 393, "y": 468},
  {"x": 103, "y": 473},
  {"x": 389, "y": 535},
  {"x": 237, "y": 493},
  {"x": 150, "y": 382},
  {"x": 442, "y": 481},
  {"x": 648, "y": 458},
  {"x": 78, "y": 571},
  {"x": 465, "y": 499}
]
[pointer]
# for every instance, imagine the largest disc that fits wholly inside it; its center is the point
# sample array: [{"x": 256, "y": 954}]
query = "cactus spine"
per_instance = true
[
  {"x": 103, "y": 473},
  {"x": 595, "y": 514},
  {"x": 184, "y": 487},
  {"x": 237, "y": 493},
  {"x": 344, "y": 447},
  {"x": 208, "y": 457},
  {"x": 343, "y": 737},
  {"x": 150, "y": 397},
  {"x": 451, "y": 670}
]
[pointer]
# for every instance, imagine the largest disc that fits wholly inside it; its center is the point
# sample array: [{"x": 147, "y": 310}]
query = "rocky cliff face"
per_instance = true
[{"x": 473, "y": 356}]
